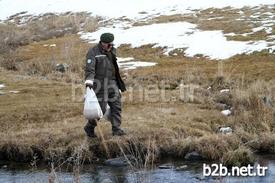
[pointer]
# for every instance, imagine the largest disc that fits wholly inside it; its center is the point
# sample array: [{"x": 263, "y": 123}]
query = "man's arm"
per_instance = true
[{"x": 90, "y": 68}]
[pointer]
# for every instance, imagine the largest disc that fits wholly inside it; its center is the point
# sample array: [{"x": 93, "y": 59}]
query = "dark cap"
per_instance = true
[{"x": 107, "y": 37}]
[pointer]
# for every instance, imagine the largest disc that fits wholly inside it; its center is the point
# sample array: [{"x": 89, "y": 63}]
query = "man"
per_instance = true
[{"x": 102, "y": 75}]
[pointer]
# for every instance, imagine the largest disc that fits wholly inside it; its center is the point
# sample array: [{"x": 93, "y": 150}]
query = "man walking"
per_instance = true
[{"x": 102, "y": 75}]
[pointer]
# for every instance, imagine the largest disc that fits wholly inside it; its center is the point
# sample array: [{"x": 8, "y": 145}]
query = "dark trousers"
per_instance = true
[{"x": 109, "y": 95}]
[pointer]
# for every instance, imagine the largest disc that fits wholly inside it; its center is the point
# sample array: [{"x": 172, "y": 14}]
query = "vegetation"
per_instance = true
[{"x": 44, "y": 120}]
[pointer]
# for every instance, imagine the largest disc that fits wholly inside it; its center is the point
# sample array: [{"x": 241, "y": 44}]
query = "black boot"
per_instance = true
[
  {"x": 118, "y": 132},
  {"x": 90, "y": 130}
]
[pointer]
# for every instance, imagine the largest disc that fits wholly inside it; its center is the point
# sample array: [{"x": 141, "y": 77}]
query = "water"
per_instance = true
[{"x": 15, "y": 173}]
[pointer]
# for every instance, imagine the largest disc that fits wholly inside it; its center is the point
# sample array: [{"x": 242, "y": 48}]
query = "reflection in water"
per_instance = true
[{"x": 105, "y": 174}]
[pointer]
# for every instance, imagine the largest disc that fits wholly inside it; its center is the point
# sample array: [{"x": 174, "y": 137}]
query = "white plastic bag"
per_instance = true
[{"x": 92, "y": 108}]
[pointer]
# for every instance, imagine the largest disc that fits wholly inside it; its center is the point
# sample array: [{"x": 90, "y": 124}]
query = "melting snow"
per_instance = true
[
  {"x": 135, "y": 64},
  {"x": 257, "y": 29},
  {"x": 175, "y": 35},
  {"x": 171, "y": 36},
  {"x": 115, "y": 9},
  {"x": 129, "y": 63},
  {"x": 124, "y": 59}
]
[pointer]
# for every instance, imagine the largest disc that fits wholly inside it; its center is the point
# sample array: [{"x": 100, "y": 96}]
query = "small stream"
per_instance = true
[{"x": 24, "y": 173}]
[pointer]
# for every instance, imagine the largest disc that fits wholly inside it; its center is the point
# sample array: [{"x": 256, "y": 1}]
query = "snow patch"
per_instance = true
[
  {"x": 119, "y": 59},
  {"x": 257, "y": 29},
  {"x": 123, "y": 13},
  {"x": 176, "y": 35},
  {"x": 118, "y": 8},
  {"x": 14, "y": 91},
  {"x": 129, "y": 63},
  {"x": 49, "y": 45}
]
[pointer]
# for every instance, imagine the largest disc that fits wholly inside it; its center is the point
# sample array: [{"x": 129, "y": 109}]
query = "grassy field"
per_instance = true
[{"x": 44, "y": 120}]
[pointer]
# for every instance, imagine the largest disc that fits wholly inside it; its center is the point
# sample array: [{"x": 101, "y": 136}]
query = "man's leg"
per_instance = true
[
  {"x": 91, "y": 124},
  {"x": 89, "y": 128},
  {"x": 114, "y": 101}
]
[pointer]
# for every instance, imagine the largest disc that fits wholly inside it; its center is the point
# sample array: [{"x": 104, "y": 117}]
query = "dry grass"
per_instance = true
[
  {"x": 260, "y": 35},
  {"x": 44, "y": 109},
  {"x": 239, "y": 157},
  {"x": 40, "y": 59},
  {"x": 44, "y": 120},
  {"x": 39, "y": 28}
]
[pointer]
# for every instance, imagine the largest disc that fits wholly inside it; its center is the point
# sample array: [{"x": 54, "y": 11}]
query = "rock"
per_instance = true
[
  {"x": 120, "y": 161},
  {"x": 19, "y": 78},
  {"x": 226, "y": 112},
  {"x": 2, "y": 93},
  {"x": 173, "y": 113},
  {"x": 200, "y": 178},
  {"x": 193, "y": 156},
  {"x": 224, "y": 91},
  {"x": 166, "y": 166},
  {"x": 5, "y": 166},
  {"x": 169, "y": 110},
  {"x": 117, "y": 162},
  {"x": 43, "y": 78},
  {"x": 226, "y": 130},
  {"x": 2, "y": 86},
  {"x": 183, "y": 167},
  {"x": 107, "y": 180},
  {"x": 61, "y": 67}
]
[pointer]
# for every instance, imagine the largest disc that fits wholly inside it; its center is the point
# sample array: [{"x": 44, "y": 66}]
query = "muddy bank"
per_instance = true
[
  {"x": 143, "y": 153},
  {"x": 14, "y": 172}
]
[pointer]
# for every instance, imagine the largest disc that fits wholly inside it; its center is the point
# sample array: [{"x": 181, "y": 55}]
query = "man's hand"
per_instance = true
[{"x": 89, "y": 85}]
